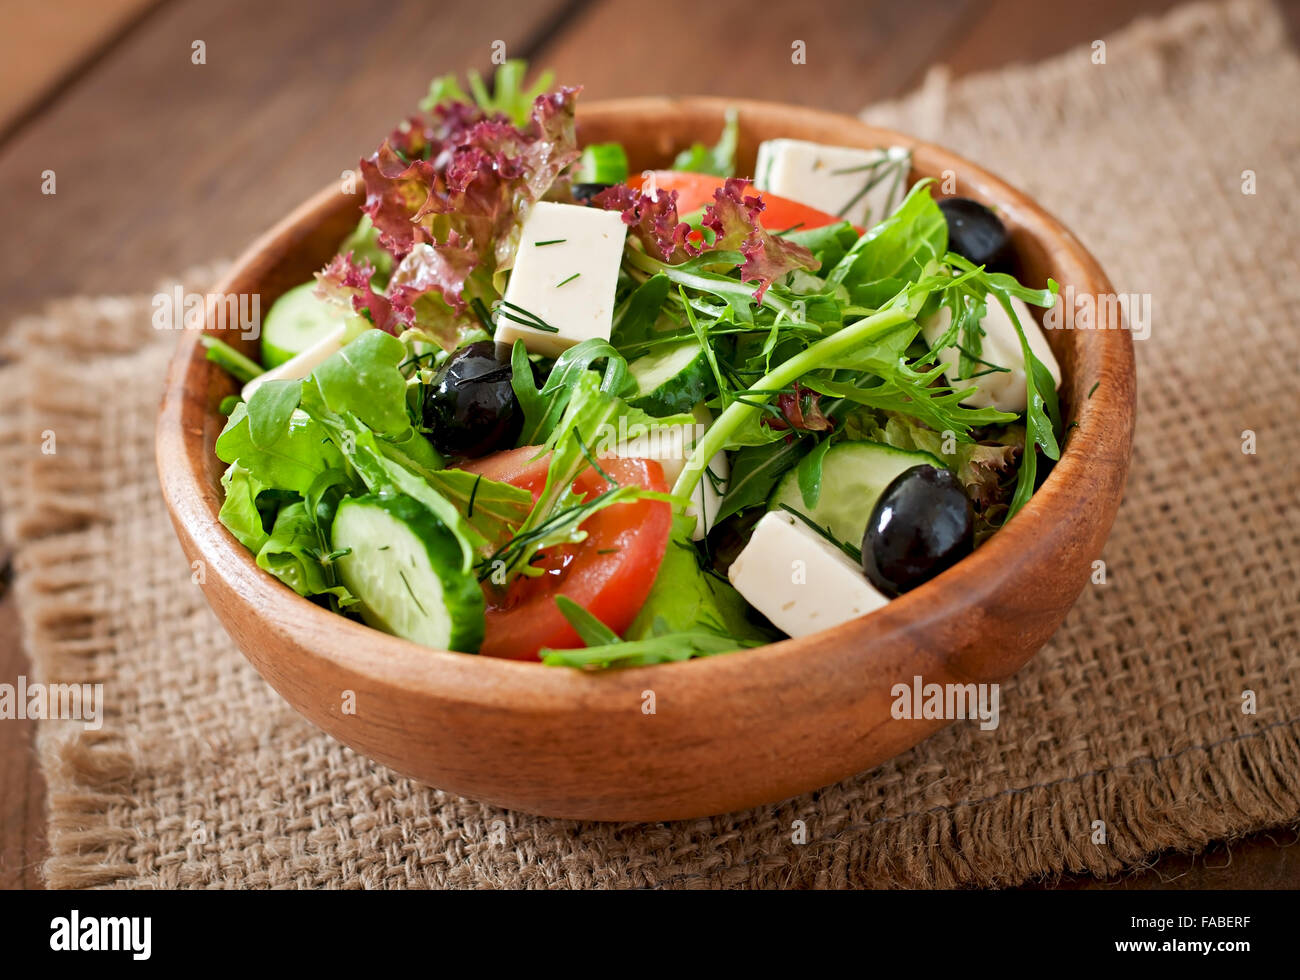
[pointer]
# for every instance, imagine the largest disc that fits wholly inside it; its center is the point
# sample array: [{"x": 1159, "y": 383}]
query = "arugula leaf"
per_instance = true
[
  {"x": 1042, "y": 416},
  {"x": 719, "y": 159},
  {"x": 373, "y": 461},
  {"x": 666, "y": 648},
  {"x": 913, "y": 394},
  {"x": 635, "y": 318},
  {"x": 589, "y": 409},
  {"x": 325, "y": 493},
  {"x": 491, "y": 507},
  {"x": 592, "y": 413},
  {"x": 828, "y": 244},
  {"x": 590, "y": 630},
  {"x": 743, "y": 411},
  {"x": 535, "y": 408},
  {"x": 754, "y": 472},
  {"x": 543, "y": 408}
]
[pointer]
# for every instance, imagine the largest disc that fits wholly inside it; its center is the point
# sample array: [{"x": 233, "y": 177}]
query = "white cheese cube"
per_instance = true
[
  {"x": 671, "y": 447},
  {"x": 832, "y": 178},
  {"x": 1003, "y": 390},
  {"x": 564, "y": 275},
  {"x": 798, "y": 579}
]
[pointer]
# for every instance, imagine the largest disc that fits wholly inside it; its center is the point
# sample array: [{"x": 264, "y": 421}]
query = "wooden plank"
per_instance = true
[
  {"x": 161, "y": 163},
  {"x": 1010, "y": 31},
  {"x": 45, "y": 44},
  {"x": 856, "y": 51}
]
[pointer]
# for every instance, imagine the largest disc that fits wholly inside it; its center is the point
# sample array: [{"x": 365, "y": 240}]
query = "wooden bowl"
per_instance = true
[{"x": 726, "y": 732}]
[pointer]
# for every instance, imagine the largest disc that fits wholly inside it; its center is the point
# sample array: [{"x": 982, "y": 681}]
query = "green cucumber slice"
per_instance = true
[
  {"x": 404, "y": 566},
  {"x": 601, "y": 163},
  {"x": 672, "y": 378},
  {"x": 854, "y": 475},
  {"x": 297, "y": 321}
]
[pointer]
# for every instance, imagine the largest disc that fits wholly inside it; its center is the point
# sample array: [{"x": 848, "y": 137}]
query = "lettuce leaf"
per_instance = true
[
  {"x": 686, "y": 597},
  {"x": 239, "y": 511},
  {"x": 719, "y": 159},
  {"x": 297, "y": 553},
  {"x": 895, "y": 253},
  {"x": 287, "y": 453},
  {"x": 733, "y": 220},
  {"x": 690, "y": 612}
]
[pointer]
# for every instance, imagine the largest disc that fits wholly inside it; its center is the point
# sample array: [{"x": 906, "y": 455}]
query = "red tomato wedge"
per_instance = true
[
  {"x": 609, "y": 574},
  {"x": 695, "y": 191}
]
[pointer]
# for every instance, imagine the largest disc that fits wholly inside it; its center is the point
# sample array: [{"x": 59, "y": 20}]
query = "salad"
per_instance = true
[{"x": 538, "y": 407}]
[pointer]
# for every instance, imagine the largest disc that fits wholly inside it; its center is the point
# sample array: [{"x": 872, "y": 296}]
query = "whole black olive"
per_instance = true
[
  {"x": 976, "y": 233},
  {"x": 470, "y": 408},
  {"x": 922, "y": 524},
  {"x": 585, "y": 192}
]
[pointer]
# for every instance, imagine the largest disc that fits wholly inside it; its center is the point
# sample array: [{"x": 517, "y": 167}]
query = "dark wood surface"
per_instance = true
[{"x": 162, "y": 164}]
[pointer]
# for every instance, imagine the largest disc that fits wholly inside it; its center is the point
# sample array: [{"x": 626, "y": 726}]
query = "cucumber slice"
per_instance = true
[
  {"x": 854, "y": 475},
  {"x": 670, "y": 379},
  {"x": 601, "y": 163},
  {"x": 296, "y": 321},
  {"x": 404, "y": 566}
]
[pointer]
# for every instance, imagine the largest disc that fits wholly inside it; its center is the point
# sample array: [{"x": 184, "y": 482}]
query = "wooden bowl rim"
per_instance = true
[{"x": 491, "y": 682}]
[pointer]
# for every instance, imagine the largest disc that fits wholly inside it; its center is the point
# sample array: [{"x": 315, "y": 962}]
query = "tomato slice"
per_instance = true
[
  {"x": 609, "y": 573},
  {"x": 695, "y": 191}
]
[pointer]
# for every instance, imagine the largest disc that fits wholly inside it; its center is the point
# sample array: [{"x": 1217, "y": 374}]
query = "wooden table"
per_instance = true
[{"x": 162, "y": 163}]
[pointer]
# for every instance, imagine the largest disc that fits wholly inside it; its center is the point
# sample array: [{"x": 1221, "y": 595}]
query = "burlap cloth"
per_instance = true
[{"x": 202, "y": 776}]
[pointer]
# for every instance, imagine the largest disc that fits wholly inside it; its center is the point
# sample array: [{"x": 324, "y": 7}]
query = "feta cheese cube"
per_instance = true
[
  {"x": 798, "y": 579},
  {"x": 565, "y": 273},
  {"x": 671, "y": 447},
  {"x": 833, "y": 178},
  {"x": 1003, "y": 390}
]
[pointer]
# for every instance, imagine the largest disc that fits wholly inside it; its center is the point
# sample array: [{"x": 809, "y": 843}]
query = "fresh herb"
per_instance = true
[
  {"x": 519, "y": 315},
  {"x": 570, "y": 279},
  {"x": 719, "y": 159},
  {"x": 244, "y": 369},
  {"x": 590, "y": 630},
  {"x": 849, "y": 549},
  {"x": 509, "y": 96}
]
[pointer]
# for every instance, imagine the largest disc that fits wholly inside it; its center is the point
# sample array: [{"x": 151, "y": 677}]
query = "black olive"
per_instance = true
[
  {"x": 922, "y": 524},
  {"x": 585, "y": 192},
  {"x": 976, "y": 233},
  {"x": 470, "y": 407}
]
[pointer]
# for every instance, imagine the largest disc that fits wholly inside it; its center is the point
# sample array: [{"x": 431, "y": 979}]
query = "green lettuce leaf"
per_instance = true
[
  {"x": 685, "y": 597},
  {"x": 894, "y": 253},
  {"x": 288, "y": 452},
  {"x": 239, "y": 511},
  {"x": 297, "y": 553},
  {"x": 719, "y": 159}
]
